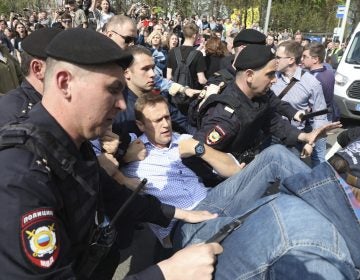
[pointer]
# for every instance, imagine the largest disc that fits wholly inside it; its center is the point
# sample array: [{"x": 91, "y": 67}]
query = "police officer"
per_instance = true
[
  {"x": 234, "y": 128},
  {"x": 54, "y": 193},
  {"x": 18, "y": 102}
]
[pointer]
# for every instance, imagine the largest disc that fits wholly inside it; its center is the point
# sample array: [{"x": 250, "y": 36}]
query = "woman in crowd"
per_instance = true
[
  {"x": 215, "y": 50},
  {"x": 102, "y": 14},
  {"x": 172, "y": 41},
  {"x": 158, "y": 53},
  {"x": 20, "y": 34}
]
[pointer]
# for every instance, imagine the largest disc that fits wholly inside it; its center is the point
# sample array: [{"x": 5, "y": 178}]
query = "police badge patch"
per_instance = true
[
  {"x": 215, "y": 135},
  {"x": 38, "y": 237}
]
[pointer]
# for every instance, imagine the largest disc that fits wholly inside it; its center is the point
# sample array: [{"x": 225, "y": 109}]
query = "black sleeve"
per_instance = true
[
  {"x": 282, "y": 129},
  {"x": 218, "y": 128},
  {"x": 151, "y": 273},
  {"x": 200, "y": 62},
  {"x": 282, "y": 107},
  {"x": 144, "y": 208}
]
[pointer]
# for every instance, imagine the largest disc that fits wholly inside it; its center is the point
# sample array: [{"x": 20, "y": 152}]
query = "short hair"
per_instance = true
[
  {"x": 138, "y": 49},
  {"x": 25, "y": 63},
  {"x": 339, "y": 164},
  {"x": 118, "y": 20},
  {"x": 190, "y": 30},
  {"x": 147, "y": 99},
  {"x": 316, "y": 49},
  {"x": 152, "y": 35},
  {"x": 292, "y": 48}
]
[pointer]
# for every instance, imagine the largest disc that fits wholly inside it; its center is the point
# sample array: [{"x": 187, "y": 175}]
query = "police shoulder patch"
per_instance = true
[
  {"x": 38, "y": 237},
  {"x": 215, "y": 135}
]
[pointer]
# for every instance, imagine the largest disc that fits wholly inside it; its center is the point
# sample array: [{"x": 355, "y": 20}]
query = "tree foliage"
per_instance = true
[{"x": 304, "y": 15}]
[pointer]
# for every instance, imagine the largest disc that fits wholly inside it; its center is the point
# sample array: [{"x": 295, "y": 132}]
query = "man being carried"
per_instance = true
[{"x": 175, "y": 184}]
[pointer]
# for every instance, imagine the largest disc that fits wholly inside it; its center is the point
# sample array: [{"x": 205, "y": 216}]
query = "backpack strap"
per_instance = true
[
  {"x": 290, "y": 85},
  {"x": 178, "y": 56},
  {"x": 190, "y": 58}
]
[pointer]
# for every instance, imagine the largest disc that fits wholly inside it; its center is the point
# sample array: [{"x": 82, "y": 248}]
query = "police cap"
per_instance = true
[
  {"x": 87, "y": 47},
  {"x": 254, "y": 57},
  {"x": 35, "y": 44},
  {"x": 249, "y": 36}
]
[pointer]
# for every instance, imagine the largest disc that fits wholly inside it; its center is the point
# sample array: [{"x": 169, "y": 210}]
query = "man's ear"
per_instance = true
[
  {"x": 249, "y": 74},
  {"x": 140, "y": 125},
  {"x": 63, "y": 81},
  {"x": 127, "y": 74},
  {"x": 37, "y": 67}
]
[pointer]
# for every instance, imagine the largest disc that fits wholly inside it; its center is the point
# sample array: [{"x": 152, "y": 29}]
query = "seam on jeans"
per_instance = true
[
  {"x": 318, "y": 184},
  {"x": 277, "y": 215}
]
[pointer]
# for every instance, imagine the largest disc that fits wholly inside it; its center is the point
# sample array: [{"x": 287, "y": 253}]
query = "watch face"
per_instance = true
[{"x": 199, "y": 149}]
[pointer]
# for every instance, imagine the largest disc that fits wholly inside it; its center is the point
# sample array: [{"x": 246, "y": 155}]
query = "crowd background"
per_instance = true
[{"x": 156, "y": 31}]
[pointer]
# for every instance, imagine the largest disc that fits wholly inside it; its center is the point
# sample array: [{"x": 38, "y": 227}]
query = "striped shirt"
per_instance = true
[
  {"x": 168, "y": 178},
  {"x": 304, "y": 95}
]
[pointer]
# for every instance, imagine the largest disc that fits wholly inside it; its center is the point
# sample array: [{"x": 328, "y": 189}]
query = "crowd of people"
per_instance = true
[{"x": 212, "y": 115}]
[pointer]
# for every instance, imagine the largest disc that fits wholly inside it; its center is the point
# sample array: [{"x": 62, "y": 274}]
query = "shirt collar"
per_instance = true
[{"x": 174, "y": 141}]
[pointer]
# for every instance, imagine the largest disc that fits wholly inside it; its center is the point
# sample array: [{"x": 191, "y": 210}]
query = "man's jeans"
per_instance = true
[
  {"x": 230, "y": 198},
  {"x": 308, "y": 231}
]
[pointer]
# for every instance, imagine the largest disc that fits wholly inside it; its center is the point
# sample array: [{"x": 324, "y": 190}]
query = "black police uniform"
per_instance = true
[
  {"x": 227, "y": 75},
  {"x": 47, "y": 221},
  {"x": 18, "y": 102},
  {"x": 232, "y": 131}
]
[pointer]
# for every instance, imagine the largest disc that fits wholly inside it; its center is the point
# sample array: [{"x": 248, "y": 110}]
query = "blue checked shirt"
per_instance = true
[
  {"x": 304, "y": 95},
  {"x": 168, "y": 178}
]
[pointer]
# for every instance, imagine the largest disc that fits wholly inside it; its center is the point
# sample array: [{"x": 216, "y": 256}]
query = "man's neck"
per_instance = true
[
  {"x": 188, "y": 42},
  {"x": 290, "y": 71},
  {"x": 316, "y": 66},
  {"x": 36, "y": 84},
  {"x": 138, "y": 92}
]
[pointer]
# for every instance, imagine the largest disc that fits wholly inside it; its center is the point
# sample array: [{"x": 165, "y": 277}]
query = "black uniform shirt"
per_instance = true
[
  {"x": 17, "y": 102},
  {"x": 47, "y": 221},
  {"x": 227, "y": 131}
]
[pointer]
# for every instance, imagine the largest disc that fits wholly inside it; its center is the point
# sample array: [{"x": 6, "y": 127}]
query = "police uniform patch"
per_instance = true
[
  {"x": 215, "y": 135},
  {"x": 38, "y": 237}
]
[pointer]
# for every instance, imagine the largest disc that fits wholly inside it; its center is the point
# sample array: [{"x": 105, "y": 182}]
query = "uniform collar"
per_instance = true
[{"x": 40, "y": 117}]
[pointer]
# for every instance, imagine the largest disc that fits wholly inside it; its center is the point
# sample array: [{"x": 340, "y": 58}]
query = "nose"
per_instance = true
[
  {"x": 120, "y": 102},
  {"x": 164, "y": 122}
]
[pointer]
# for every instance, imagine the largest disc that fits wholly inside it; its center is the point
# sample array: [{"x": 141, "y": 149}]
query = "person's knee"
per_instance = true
[{"x": 276, "y": 151}]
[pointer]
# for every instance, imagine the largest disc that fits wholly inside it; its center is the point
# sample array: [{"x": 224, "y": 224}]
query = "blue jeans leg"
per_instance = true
[
  {"x": 318, "y": 154},
  {"x": 231, "y": 197}
]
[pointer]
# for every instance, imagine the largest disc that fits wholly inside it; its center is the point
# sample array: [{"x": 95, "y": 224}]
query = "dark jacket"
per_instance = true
[
  {"x": 234, "y": 131},
  {"x": 49, "y": 220},
  {"x": 18, "y": 102}
]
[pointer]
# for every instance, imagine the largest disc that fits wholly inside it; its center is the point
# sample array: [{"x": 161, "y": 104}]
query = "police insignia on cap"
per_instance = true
[
  {"x": 215, "y": 136},
  {"x": 38, "y": 237}
]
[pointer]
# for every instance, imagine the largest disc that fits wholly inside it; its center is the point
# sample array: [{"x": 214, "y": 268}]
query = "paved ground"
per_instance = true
[{"x": 139, "y": 256}]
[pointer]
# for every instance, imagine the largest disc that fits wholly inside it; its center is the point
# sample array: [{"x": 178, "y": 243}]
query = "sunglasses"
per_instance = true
[
  {"x": 127, "y": 39},
  {"x": 66, "y": 20}
]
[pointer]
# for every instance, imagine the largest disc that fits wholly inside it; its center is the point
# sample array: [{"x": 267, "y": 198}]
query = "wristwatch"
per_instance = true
[{"x": 199, "y": 149}]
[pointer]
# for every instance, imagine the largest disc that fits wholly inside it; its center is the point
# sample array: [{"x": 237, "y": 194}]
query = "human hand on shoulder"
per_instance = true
[{"x": 193, "y": 262}]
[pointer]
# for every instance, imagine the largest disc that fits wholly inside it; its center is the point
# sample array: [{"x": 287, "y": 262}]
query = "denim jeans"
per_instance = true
[
  {"x": 308, "y": 231},
  {"x": 233, "y": 196},
  {"x": 319, "y": 152}
]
